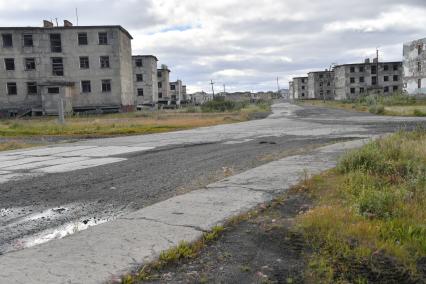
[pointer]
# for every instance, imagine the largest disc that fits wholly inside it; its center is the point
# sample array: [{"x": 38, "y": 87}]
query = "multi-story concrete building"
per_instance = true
[
  {"x": 90, "y": 67},
  {"x": 145, "y": 80},
  {"x": 414, "y": 64},
  {"x": 300, "y": 88},
  {"x": 163, "y": 77},
  {"x": 321, "y": 85},
  {"x": 360, "y": 79},
  {"x": 176, "y": 92}
]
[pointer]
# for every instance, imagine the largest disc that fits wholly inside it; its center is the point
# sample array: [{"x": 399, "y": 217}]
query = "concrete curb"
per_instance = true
[{"x": 105, "y": 252}]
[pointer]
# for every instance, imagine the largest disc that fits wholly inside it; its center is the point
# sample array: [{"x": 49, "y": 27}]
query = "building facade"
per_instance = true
[
  {"x": 414, "y": 65},
  {"x": 86, "y": 67},
  {"x": 321, "y": 85},
  {"x": 300, "y": 88},
  {"x": 290, "y": 90},
  {"x": 145, "y": 79},
  {"x": 361, "y": 79},
  {"x": 176, "y": 92},
  {"x": 163, "y": 77}
]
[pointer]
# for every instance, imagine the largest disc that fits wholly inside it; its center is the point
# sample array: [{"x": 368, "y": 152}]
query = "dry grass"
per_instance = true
[
  {"x": 373, "y": 203},
  {"x": 7, "y": 146}
]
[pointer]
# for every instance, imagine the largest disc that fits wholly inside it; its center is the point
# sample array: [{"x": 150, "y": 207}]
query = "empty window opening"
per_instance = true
[
  {"x": 30, "y": 64},
  {"x": 395, "y": 78},
  {"x": 373, "y": 69},
  {"x": 7, "y": 40},
  {"x": 86, "y": 87},
  {"x": 419, "y": 83},
  {"x": 57, "y": 66},
  {"x": 352, "y": 90},
  {"x": 160, "y": 85},
  {"x": 9, "y": 64},
  {"x": 32, "y": 88},
  {"x": 139, "y": 77},
  {"x": 55, "y": 43},
  {"x": 386, "y": 78},
  {"x": 12, "y": 88},
  {"x": 419, "y": 66},
  {"x": 385, "y": 67},
  {"x": 138, "y": 63},
  {"x": 103, "y": 38},
  {"x": 395, "y": 88},
  {"x": 361, "y": 79},
  {"x": 140, "y": 92},
  {"x": 395, "y": 67},
  {"x": 104, "y": 61},
  {"x": 28, "y": 40},
  {"x": 106, "y": 86},
  {"x": 352, "y": 80},
  {"x": 53, "y": 90},
  {"x": 84, "y": 62},
  {"x": 82, "y": 39},
  {"x": 386, "y": 89},
  {"x": 374, "y": 80}
]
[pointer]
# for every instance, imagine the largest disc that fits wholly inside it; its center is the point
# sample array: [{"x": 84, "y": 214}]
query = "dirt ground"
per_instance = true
[{"x": 263, "y": 249}]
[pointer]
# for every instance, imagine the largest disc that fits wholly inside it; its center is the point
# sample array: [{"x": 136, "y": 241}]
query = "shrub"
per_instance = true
[
  {"x": 418, "y": 112},
  {"x": 377, "y": 109},
  {"x": 221, "y": 105}
]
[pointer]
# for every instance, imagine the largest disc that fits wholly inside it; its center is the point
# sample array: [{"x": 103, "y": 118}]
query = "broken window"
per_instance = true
[
  {"x": 303, "y": 94},
  {"x": 32, "y": 88},
  {"x": 352, "y": 80},
  {"x": 386, "y": 78},
  {"x": 12, "y": 89},
  {"x": 385, "y": 67},
  {"x": 53, "y": 90},
  {"x": 9, "y": 64},
  {"x": 352, "y": 90},
  {"x": 395, "y": 88},
  {"x": 104, "y": 61},
  {"x": 419, "y": 83},
  {"x": 361, "y": 90},
  {"x": 172, "y": 87},
  {"x": 7, "y": 40},
  {"x": 82, "y": 39},
  {"x": 140, "y": 92},
  {"x": 395, "y": 67},
  {"x": 86, "y": 87},
  {"x": 386, "y": 89},
  {"x": 373, "y": 69},
  {"x": 30, "y": 64},
  {"x": 374, "y": 80},
  {"x": 419, "y": 66},
  {"x": 106, "y": 86},
  {"x": 55, "y": 43},
  {"x": 139, "y": 78},
  {"x": 352, "y": 69},
  {"x": 160, "y": 85},
  {"x": 84, "y": 62},
  {"x": 361, "y": 79},
  {"x": 160, "y": 95},
  {"x": 321, "y": 76},
  {"x": 28, "y": 40},
  {"x": 361, "y": 68},
  {"x": 303, "y": 87},
  {"x": 395, "y": 78},
  {"x": 138, "y": 62},
  {"x": 103, "y": 38},
  {"x": 57, "y": 66},
  {"x": 159, "y": 74}
]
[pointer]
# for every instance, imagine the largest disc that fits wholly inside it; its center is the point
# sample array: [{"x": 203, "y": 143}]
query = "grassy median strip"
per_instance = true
[
  {"x": 128, "y": 123},
  {"x": 394, "y": 105},
  {"x": 369, "y": 219}
]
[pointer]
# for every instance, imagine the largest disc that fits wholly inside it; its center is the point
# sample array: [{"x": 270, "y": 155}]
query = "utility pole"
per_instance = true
[
  {"x": 212, "y": 83},
  {"x": 224, "y": 89}
]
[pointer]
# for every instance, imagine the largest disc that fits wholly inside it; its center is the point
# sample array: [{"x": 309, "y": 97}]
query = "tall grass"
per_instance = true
[{"x": 373, "y": 203}]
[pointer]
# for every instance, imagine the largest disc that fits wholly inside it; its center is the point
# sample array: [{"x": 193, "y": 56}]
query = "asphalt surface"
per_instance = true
[{"x": 39, "y": 208}]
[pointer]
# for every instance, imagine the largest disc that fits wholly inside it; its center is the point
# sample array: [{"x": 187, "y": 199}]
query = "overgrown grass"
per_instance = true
[
  {"x": 222, "y": 105},
  {"x": 370, "y": 212},
  {"x": 7, "y": 146},
  {"x": 122, "y": 124},
  {"x": 396, "y": 104}
]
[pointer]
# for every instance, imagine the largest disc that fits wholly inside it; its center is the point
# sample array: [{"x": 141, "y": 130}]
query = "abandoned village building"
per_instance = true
[
  {"x": 415, "y": 67},
  {"x": 321, "y": 85},
  {"x": 145, "y": 79},
  {"x": 300, "y": 88}
]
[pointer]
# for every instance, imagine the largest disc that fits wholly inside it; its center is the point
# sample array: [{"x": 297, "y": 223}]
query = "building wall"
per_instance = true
[
  {"x": 176, "y": 94},
  {"x": 414, "y": 65},
  {"x": 300, "y": 87},
  {"x": 355, "y": 80},
  {"x": 164, "y": 81},
  {"x": 149, "y": 82},
  {"x": 290, "y": 90},
  {"x": 320, "y": 85},
  {"x": 118, "y": 49}
]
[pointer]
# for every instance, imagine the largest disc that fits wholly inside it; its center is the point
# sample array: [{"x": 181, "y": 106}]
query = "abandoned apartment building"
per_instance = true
[
  {"x": 321, "y": 85},
  {"x": 145, "y": 80},
  {"x": 300, "y": 88},
  {"x": 89, "y": 67},
  {"x": 414, "y": 64}
]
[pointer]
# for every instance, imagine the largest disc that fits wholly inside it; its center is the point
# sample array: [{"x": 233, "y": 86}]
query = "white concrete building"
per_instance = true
[
  {"x": 163, "y": 77},
  {"x": 414, "y": 64},
  {"x": 145, "y": 80},
  {"x": 176, "y": 92},
  {"x": 90, "y": 67}
]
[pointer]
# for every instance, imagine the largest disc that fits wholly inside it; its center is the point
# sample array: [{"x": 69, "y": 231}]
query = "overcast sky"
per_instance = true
[{"x": 244, "y": 44}]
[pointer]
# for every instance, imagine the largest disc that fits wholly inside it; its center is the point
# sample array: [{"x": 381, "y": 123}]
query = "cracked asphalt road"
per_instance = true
[{"x": 38, "y": 208}]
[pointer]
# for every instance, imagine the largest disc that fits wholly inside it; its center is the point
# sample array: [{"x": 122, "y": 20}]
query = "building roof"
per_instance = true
[
  {"x": 148, "y": 55},
  {"x": 68, "y": 28},
  {"x": 370, "y": 63},
  {"x": 300, "y": 78},
  {"x": 325, "y": 71}
]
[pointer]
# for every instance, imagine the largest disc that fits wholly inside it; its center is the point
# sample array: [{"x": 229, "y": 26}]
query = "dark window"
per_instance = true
[
  {"x": 374, "y": 80},
  {"x": 352, "y": 70},
  {"x": 139, "y": 77},
  {"x": 361, "y": 79},
  {"x": 395, "y": 67},
  {"x": 160, "y": 85},
  {"x": 395, "y": 88},
  {"x": 373, "y": 69},
  {"x": 352, "y": 79},
  {"x": 303, "y": 87},
  {"x": 103, "y": 38},
  {"x": 106, "y": 86},
  {"x": 303, "y": 80},
  {"x": 140, "y": 92},
  {"x": 82, "y": 39},
  {"x": 30, "y": 64},
  {"x": 419, "y": 66},
  {"x": 7, "y": 40},
  {"x": 386, "y": 89},
  {"x": 395, "y": 78},
  {"x": 53, "y": 90},
  {"x": 321, "y": 76},
  {"x": 12, "y": 89},
  {"x": 303, "y": 94},
  {"x": 31, "y": 88},
  {"x": 57, "y": 66},
  {"x": 28, "y": 40},
  {"x": 321, "y": 84},
  {"x": 419, "y": 49},
  {"x": 386, "y": 78},
  {"x": 419, "y": 83},
  {"x": 55, "y": 43},
  {"x": 361, "y": 90},
  {"x": 160, "y": 95},
  {"x": 352, "y": 90},
  {"x": 159, "y": 74},
  {"x": 328, "y": 84},
  {"x": 9, "y": 64},
  {"x": 85, "y": 87},
  {"x": 138, "y": 62},
  {"x": 385, "y": 67},
  {"x": 172, "y": 87},
  {"x": 361, "y": 68},
  {"x": 104, "y": 61},
  {"x": 84, "y": 62}
]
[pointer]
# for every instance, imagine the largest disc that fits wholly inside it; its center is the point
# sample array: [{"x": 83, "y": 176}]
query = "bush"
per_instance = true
[
  {"x": 377, "y": 109},
  {"x": 418, "y": 112},
  {"x": 221, "y": 105}
]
